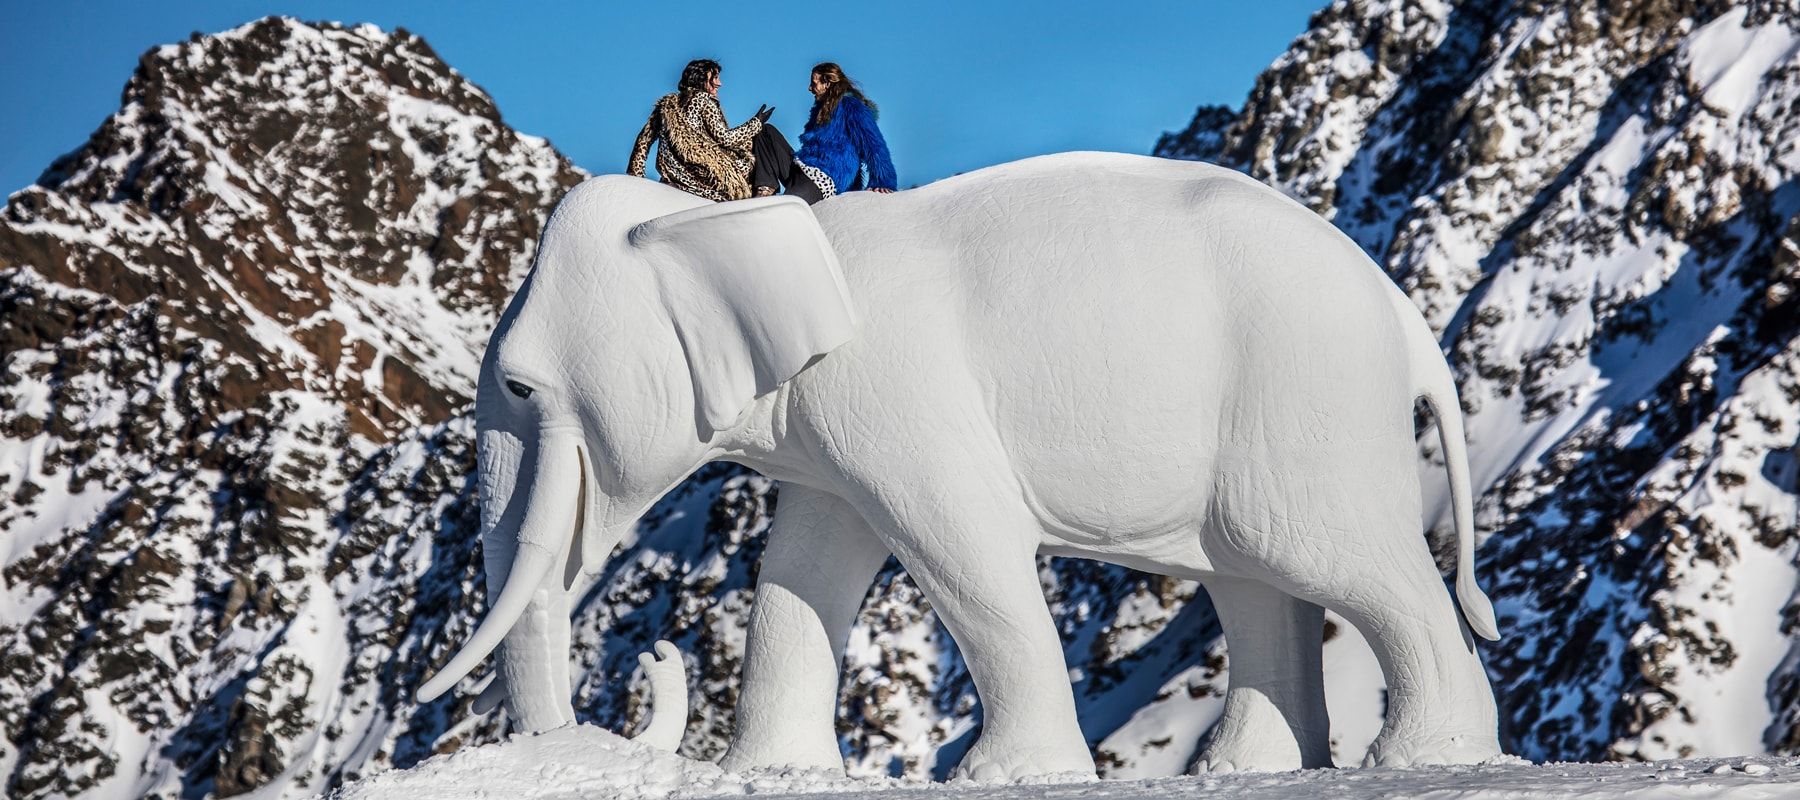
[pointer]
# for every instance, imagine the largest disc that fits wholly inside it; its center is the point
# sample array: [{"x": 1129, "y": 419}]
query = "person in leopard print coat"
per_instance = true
[{"x": 695, "y": 150}]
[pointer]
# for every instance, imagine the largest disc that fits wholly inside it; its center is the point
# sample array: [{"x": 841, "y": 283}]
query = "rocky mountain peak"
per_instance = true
[
  {"x": 318, "y": 200},
  {"x": 275, "y": 264},
  {"x": 250, "y": 89}
]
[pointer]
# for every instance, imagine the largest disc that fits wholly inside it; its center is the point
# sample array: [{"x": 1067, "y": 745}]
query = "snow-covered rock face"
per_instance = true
[
  {"x": 336, "y": 210},
  {"x": 233, "y": 327},
  {"x": 1597, "y": 205}
]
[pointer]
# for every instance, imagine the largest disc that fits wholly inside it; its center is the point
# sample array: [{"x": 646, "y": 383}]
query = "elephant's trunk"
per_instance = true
[{"x": 544, "y": 537}]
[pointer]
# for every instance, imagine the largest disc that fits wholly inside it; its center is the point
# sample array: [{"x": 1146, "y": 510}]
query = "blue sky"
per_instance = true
[{"x": 961, "y": 85}]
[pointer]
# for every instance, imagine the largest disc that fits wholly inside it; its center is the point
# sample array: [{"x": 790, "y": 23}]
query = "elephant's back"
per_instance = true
[
  {"x": 1033, "y": 224},
  {"x": 1107, "y": 243},
  {"x": 1131, "y": 321}
]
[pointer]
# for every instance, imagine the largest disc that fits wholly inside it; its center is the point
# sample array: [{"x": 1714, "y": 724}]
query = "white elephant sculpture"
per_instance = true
[{"x": 1160, "y": 364}]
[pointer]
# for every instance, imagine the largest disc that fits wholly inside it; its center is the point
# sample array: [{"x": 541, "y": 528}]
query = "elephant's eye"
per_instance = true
[{"x": 518, "y": 388}]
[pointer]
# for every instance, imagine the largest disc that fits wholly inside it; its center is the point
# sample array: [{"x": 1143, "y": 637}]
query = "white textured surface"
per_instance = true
[
  {"x": 584, "y": 762},
  {"x": 1153, "y": 363}
]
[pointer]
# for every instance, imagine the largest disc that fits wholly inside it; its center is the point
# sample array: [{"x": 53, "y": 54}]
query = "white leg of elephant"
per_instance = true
[
  {"x": 1275, "y": 718},
  {"x": 1346, "y": 535},
  {"x": 1440, "y": 706},
  {"x": 1340, "y": 526},
  {"x": 967, "y": 539},
  {"x": 819, "y": 565}
]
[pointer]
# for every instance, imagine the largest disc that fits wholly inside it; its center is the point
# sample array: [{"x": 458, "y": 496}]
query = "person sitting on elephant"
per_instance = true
[
  {"x": 696, "y": 151},
  {"x": 840, "y": 139}
]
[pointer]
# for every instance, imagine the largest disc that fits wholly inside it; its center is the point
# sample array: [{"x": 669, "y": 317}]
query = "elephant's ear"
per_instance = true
[{"x": 755, "y": 294}]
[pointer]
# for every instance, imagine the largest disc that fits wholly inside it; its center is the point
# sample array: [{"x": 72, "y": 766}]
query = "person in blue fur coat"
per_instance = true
[{"x": 841, "y": 140}]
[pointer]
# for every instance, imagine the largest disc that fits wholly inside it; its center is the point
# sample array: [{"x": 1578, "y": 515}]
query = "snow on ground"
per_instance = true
[{"x": 584, "y": 761}]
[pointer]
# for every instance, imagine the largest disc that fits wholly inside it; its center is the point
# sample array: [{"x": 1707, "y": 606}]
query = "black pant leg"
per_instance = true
[
  {"x": 803, "y": 187},
  {"x": 774, "y": 159},
  {"x": 776, "y": 167}
]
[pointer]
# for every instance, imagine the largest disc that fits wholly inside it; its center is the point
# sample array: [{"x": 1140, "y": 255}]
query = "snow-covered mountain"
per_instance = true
[
  {"x": 238, "y": 325},
  {"x": 239, "y": 329},
  {"x": 1598, "y": 206}
]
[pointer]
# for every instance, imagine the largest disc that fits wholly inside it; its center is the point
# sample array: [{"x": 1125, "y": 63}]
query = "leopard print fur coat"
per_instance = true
[{"x": 695, "y": 150}]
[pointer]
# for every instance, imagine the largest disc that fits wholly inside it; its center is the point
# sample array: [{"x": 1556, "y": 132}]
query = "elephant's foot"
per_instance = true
[
  {"x": 1252, "y": 736},
  {"x": 1397, "y": 750},
  {"x": 993, "y": 760},
  {"x": 747, "y": 754},
  {"x": 1452, "y": 722},
  {"x": 1241, "y": 749}
]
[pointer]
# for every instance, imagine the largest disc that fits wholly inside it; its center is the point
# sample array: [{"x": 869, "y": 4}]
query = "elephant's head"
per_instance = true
[{"x": 651, "y": 319}]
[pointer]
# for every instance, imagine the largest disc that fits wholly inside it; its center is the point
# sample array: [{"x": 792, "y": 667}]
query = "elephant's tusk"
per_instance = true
[
  {"x": 544, "y": 536},
  {"x": 530, "y": 565},
  {"x": 488, "y": 694}
]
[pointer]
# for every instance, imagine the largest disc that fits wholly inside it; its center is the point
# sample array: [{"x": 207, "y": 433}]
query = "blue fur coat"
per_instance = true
[{"x": 844, "y": 144}]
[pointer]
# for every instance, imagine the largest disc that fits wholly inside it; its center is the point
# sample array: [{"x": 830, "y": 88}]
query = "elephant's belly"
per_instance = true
[{"x": 1148, "y": 520}]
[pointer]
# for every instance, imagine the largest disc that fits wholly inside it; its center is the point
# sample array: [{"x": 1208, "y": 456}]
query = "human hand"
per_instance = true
[{"x": 763, "y": 113}]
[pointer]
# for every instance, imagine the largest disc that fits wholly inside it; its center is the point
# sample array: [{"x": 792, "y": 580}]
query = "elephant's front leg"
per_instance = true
[
  {"x": 819, "y": 565},
  {"x": 1274, "y": 718},
  {"x": 967, "y": 539}
]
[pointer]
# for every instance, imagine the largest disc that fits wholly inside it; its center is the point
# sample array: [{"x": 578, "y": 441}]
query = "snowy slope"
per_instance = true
[{"x": 585, "y": 762}]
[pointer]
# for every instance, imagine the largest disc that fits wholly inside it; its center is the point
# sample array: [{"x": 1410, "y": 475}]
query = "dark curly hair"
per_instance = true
[{"x": 695, "y": 75}]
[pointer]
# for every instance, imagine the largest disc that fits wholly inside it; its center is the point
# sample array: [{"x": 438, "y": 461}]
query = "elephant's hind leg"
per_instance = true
[
  {"x": 1275, "y": 718},
  {"x": 819, "y": 565},
  {"x": 1341, "y": 529},
  {"x": 1440, "y": 706}
]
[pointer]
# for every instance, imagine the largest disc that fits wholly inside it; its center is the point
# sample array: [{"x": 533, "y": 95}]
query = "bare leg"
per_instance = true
[
  {"x": 819, "y": 565},
  {"x": 1275, "y": 718}
]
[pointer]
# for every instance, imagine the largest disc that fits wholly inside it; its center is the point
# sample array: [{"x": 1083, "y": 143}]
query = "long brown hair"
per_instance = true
[{"x": 837, "y": 84}]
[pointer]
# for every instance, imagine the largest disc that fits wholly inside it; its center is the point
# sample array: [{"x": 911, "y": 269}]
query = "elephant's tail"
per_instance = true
[{"x": 1438, "y": 388}]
